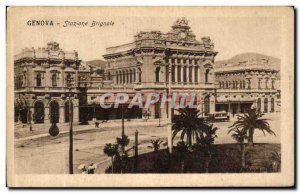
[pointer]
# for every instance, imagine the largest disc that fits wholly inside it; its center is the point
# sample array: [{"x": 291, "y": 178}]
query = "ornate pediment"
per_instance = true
[{"x": 208, "y": 64}]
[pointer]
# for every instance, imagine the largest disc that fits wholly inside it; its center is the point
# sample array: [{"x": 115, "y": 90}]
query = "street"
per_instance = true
[{"x": 49, "y": 155}]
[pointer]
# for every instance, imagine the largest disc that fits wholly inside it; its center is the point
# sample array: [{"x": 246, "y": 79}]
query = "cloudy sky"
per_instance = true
[{"x": 231, "y": 35}]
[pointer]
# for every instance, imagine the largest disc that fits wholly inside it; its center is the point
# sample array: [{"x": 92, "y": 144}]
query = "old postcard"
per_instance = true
[{"x": 150, "y": 96}]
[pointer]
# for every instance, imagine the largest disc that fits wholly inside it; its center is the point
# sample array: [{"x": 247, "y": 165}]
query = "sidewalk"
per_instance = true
[{"x": 42, "y": 130}]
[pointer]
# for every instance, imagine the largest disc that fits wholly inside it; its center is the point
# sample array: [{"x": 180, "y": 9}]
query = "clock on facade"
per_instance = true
[{"x": 182, "y": 35}]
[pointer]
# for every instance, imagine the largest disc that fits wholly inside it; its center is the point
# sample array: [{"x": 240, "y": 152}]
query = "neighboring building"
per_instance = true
[
  {"x": 41, "y": 84},
  {"x": 248, "y": 80}
]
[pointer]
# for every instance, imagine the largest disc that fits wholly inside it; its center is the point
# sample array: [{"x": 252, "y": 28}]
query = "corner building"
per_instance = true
[{"x": 41, "y": 84}]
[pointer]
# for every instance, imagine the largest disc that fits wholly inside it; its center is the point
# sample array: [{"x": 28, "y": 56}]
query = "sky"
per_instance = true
[{"x": 231, "y": 35}]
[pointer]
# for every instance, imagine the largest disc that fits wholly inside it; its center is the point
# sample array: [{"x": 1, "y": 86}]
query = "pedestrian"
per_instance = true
[
  {"x": 91, "y": 169},
  {"x": 97, "y": 124}
]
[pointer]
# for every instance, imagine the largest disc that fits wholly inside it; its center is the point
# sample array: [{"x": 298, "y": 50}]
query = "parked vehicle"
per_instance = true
[{"x": 218, "y": 116}]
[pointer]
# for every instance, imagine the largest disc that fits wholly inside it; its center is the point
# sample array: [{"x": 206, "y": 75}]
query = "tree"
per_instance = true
[
  {"x": 111, "y": 150},
  {"x": 189, "y": 123},
  {"x": 251, "y": 121},
  {"x": 182, "y": 149},
  {"x": 240, "y": 135},
  {"x": 205, "y": 141},
  {"x": 122, "y": 143},
  {"x": 276, "y": 161},
  {"x": 155, "y": 144}
]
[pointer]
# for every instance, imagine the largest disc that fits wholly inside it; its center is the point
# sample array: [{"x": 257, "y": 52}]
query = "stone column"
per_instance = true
[
  {"x": 212, "y": 104},
  {"x": 181, "y": 64},
  {"x": 47, "y": 115},
  {"x": 193, "y": 71},
  {"x": 176, "y": 70},
  {"x": 61, "y": 114},
  {"x": 269, "y": 104},
  {"x": 75, "y": 112},
  {"x": 200, "y": 69}
]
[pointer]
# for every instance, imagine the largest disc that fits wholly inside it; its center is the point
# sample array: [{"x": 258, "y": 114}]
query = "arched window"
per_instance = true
[
  {"x": 108, "y": 76},
  {"x": 272, "y": 105},
  {"x": 179, "y": 74},
  {"x": 206, "y": 75},
  {"x": 127, "y": 76},
  {"x": 54, "y": 79},
  {"x": 196, "y": 74},
  {"x": 206, "y": 104},
  {"x": 123, "y": 74},
  {"x": 259, "y": 84},
  {"x": 233, "y": 85},
  {"x": 130, "y": 76},
  {"x": 173, "y": 73},
  {"x": 39, "y": 112},
  {"x": 220, "y": 85},
  {"x": 190, "y": 74},
  {"x": 39, "y": 79},
  {"x": 266, "y": 105},
  {"x": 249, "y": 84},
  {"x": 157, "y": 74},
  {"x": 68, "y": 79},
  {"x": 259, "y": 105},
  {"x": 273, "y": 84},
  {"x": 244, "y": 84},
  {"x": 54, "y": 112},
  {"x": 184, "y": 74},
  {"x": 134, "y": 75},
  {"x": 140, "y": 74},
  {"x": 117, "y": 77},
  {"x": 227, "y": 85},
  {"x": 267, "y": 81}
]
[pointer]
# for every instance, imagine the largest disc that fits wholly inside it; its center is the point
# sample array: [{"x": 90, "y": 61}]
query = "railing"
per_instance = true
[{"x": 121, "y": 48}]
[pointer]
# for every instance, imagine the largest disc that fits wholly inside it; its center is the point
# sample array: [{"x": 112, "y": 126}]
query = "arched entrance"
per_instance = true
[
  {"x": 67, "y": 111},
  {"x": 259, "y": 105},
  {"x": 54, "y": 112},
  {"x": 266, "y": 105},
  {"x": 272, "y": 105},
  {"x": 39, "y": 112},
  {"x": 157, "y": 74}
]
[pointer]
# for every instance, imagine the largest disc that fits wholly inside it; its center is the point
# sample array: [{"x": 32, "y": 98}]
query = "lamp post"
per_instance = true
[
  {"x": 69, "y": 85},
  {"x": 170, "y": 142},
  {"x": 123, "y": 129}
]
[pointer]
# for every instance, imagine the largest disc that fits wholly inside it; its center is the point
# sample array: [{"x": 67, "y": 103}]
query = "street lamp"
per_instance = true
[
  {"x": 170, "y": 143},
  {"x": 69, "y": 85}
]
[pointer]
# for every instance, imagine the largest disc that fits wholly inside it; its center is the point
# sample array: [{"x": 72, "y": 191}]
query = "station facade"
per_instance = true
[{"x": 155, "y": 62}]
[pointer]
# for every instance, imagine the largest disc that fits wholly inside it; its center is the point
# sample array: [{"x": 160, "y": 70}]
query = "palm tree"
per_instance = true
[
  {"x": 111, "y": 150},
  {"x": 189, "y": 123},
  {"x": 205, "y": 141},
  {"x": 123, "y": 142},
  {"x": 182, "y": 149},
  {"x": 240, "y": 135},
  {"x": 276, "y": 161},
  {"x": 251, "y": 121},
  {"x": 155, "y": 144}
]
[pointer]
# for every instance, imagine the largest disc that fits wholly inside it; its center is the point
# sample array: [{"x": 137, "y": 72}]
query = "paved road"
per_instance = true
[{"x": 50, "y": 155}]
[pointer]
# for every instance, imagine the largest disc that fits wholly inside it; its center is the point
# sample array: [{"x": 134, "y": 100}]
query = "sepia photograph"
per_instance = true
[{"x": 133, "y": 96}]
